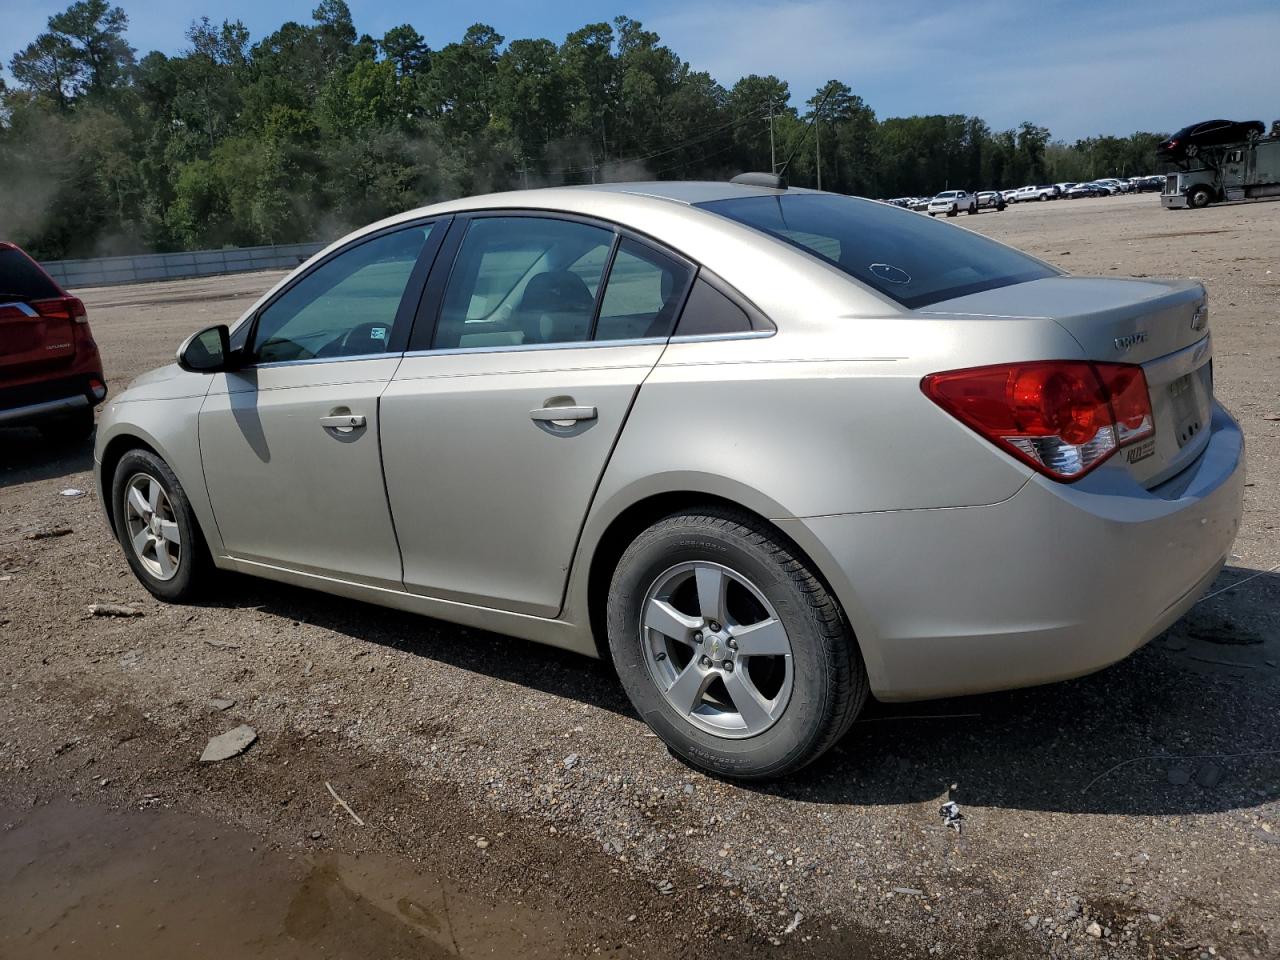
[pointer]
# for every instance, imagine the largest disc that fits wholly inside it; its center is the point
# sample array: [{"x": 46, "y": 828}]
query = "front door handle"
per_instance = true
[
  {"x": 562, "y": 416},
  {"x": 343, "y": 421}
]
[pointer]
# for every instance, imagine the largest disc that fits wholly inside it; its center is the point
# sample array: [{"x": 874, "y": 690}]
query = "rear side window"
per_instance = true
[
  {"x": 905, "y": 256},
  {"x": 523, "y": 280},
  {"x": 643, "y": 294},
  {"x": 21, "y": 279}
]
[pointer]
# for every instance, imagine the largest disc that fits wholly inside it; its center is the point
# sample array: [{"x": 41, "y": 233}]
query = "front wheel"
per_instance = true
[
  {"x": 1199, "y": 197},
  {"x": 157, "y": 529},
  {"x": 730, "y": 647}
]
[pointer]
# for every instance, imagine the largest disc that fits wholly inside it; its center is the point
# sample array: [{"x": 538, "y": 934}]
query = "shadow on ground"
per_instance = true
[
  {"x": 1209, "y": 685},
  {"x": 26, "y": 456}
]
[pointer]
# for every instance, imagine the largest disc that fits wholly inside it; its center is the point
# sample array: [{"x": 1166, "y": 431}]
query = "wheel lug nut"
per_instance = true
[
  {"x": 728, "y": 666},
  {"x": 697, "y": 637},
  {"x": 706, "y": 661},
  {"x": 715, "y": 627},
  {"x": 732, "y": 643}
]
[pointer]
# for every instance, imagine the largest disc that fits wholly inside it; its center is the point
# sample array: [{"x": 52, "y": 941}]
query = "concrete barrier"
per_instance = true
[{"x": 105, "y": 271}]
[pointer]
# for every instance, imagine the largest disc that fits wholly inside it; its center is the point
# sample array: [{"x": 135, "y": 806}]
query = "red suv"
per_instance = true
[{"x": 50, "y": 371}]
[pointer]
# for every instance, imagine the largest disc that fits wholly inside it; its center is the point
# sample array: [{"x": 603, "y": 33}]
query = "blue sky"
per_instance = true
[{"x": 1080, "y": 68}]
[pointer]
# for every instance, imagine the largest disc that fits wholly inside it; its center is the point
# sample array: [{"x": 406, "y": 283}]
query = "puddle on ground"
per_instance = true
[{"x": 83, "y": 881}]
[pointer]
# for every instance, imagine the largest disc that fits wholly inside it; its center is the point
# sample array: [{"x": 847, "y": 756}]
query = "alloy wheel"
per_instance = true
[
  {"x": 716, "y": 649},
  {"x": 152, "y": 526}
]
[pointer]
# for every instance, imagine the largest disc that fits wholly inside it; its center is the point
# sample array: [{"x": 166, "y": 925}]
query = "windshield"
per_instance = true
[{"x": 910, "y": 258}]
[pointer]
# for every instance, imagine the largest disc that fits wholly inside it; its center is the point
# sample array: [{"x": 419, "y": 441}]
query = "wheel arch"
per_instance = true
[
  {"x": 181, "y": 456},
  {"x": 112, "y": 454},
  {"x": 627, "y": 523}
]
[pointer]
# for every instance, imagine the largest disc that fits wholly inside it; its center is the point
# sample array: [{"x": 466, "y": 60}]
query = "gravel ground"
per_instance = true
[{"x": 1133, "y": 813}]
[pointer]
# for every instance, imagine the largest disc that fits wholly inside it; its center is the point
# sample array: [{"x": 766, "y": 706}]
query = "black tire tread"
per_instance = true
[
  {"x": 839, "y": 647},
  {"x": 196, "y": 578}
]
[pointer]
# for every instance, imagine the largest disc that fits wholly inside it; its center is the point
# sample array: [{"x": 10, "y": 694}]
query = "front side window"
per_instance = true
[
  {"x": 523, "y": 280},
  {"x": 911, "y": 259},
  {"x": 346, "y": 307}
]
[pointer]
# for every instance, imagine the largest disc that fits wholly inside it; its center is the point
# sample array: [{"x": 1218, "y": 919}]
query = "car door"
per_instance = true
[
  {"x": 534, "y": 337},
  {"x": 289, "y": 441}
]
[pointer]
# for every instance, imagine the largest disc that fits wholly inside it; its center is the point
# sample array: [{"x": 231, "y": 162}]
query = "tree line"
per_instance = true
[{"x": 315, "y": 129}]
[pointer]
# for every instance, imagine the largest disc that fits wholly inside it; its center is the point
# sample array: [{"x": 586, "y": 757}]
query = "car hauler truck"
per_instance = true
[{"x": 1238, "y": 171}]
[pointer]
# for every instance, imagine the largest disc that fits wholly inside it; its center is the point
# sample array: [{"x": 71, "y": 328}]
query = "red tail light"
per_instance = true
[
  {"x": 62, "y": 308},
  {"x": 1062, "y": 417}
]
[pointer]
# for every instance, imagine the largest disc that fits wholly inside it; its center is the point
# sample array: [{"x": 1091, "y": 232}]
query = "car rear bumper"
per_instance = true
[
  {"x": 1055, "y": 582},
  {"x": 42, "y": 400}
]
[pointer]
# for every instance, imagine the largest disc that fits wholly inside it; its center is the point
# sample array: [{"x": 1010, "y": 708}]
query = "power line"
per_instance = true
[{"x": 752, "y": 115}]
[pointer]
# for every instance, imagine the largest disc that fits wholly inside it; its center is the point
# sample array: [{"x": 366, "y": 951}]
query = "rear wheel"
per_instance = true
[
  {"x": 730, "y": 647},
  {"x": 1199, "y": 197},
  {"x": 157, "y": 529},
  {"x": 70, "y": 428}
]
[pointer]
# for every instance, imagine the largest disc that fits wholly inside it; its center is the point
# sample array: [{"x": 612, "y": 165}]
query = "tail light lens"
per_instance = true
[
  {"x": 1062, "y": 417},
  {"x": 62, "y": 308}
]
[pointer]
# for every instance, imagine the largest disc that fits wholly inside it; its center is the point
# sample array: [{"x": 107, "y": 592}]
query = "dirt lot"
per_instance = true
[{"x": 1134, "y": 813}]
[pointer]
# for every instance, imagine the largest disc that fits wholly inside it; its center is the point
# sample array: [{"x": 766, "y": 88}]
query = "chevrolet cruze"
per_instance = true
[{"x": 770, "y": 450}]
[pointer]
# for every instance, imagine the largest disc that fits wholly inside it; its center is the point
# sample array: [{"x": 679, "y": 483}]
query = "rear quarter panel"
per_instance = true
[{"x": 825, "y": 417}]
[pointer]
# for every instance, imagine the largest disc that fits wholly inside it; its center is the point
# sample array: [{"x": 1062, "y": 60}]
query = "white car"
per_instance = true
[
  {"x": 1030, "y": 192},
  {"x": 1010, "y": 196},
  {"x": 1114, "y": 185},
  {"x": 992, "y": 199},
  {"x": 952, "y": 202}
]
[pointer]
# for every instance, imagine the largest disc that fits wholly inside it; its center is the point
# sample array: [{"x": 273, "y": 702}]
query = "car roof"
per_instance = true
[{"x": 687, "y": 192}]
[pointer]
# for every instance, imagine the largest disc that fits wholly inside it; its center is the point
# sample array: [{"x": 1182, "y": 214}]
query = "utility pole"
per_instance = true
[
  {"x": 817, "y": 150},
  {"x": 773, "y": 157}
]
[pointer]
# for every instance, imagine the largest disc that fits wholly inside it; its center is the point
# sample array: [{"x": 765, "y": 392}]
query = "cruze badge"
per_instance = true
[{"x": 1130, "y": 340}]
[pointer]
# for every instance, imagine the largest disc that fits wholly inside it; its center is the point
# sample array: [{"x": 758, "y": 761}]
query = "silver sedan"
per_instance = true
[{"x": 771, "y": 451}]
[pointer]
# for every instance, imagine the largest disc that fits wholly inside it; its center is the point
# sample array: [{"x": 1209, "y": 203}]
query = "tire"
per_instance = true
[
  {"x": 812, "y": 698},
  {"x": 70, "y": 428},
  {"x": 931, "y": 213},
  {"x": 972, "y": 210},
  {"x": 190, "y": 561},
  {"x": 1199, "y": 197},
  {"x": 952, "y": 212},
  {"x": 1044, "y": 196}
]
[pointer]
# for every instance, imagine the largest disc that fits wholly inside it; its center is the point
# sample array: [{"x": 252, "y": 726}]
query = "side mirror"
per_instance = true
[{"x": 207, "y": 351}]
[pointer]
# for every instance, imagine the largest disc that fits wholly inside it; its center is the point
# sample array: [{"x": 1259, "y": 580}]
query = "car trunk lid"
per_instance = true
[
  {"x": 1161, "y": 325},
  {"x": 37, "y": 319},
  {"x": 36, "y": 336}
]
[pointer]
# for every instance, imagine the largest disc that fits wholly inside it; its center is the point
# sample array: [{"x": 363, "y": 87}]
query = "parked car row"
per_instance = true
[{"x": 952, "y": 202}]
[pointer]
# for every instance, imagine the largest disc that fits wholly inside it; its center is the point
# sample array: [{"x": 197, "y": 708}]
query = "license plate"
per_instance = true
[{"x": 1187, "y": 415}]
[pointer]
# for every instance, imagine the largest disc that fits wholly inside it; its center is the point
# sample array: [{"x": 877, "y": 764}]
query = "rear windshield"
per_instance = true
[
  {"x": 906, "y": 256},
  {"x": 20, "y": 279}
]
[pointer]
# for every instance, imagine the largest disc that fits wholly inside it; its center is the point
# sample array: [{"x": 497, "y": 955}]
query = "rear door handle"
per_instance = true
[
  {"x": 344, "y": 421},
  {"x": 562, "y": 416}
]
